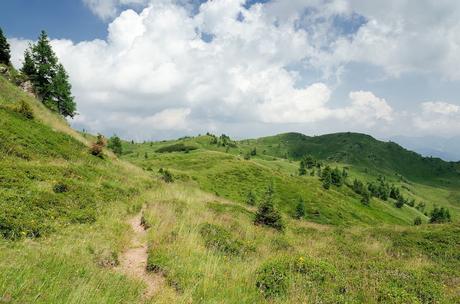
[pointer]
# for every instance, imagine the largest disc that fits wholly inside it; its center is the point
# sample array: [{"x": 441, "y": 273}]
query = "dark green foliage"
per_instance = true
[
  {"x": 60, "y": 187},
  {"x": 400, "y": 202},
  {"x": 299, "y": 210},
  {"x": 267, "y": 215},
  {"x": 251, "y": 199},
  {"x": 45, "y": 62},
  {"x": 25, "y": 110},
  {"x": 326, "y": 177},
  {"x": 28, "y": 66},
  {"x": 166, "y": 176},
  {"x": 4, "y": 49},
  {"x": 219, "y": 239},
  {"x": 176, "y": 148},
  {"x": 115, "y": 145},
  {"x": 417, "y": 221},
  {"x": 254, "y": 152},
  {"x": 62, "y": 93},
  {"x": 365, "y": 197},
  {"x": 337, "y": 177},
  {"x": 440, "y": 215},
  {"x": 302, "y": 168}
]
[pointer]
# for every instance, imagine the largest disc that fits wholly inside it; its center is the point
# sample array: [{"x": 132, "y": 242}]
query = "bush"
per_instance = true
[
  {"x": 166, "y": 176},
  {"x": 440, "y": 215},
  {"x": 60, "y": 188},
  {"x": 219, "y": 239},
  {"x": 272, "y": 278},
  {"x": 25, "y": 110},
  {"x": 417, "y": 221},
  {"x": 115, "y": 145},
  {"x": 275, "y": 276}
]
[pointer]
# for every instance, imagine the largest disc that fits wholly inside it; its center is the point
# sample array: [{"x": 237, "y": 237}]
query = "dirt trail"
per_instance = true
[{"x": 133, "y": 262}]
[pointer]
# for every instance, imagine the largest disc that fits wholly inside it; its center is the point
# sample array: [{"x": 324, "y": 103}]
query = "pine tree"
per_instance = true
[
  {"x": 302, "y": 169},
  {"x": 300, "y": 210},
  {"x": 267, "y": 214},
  {"x": 4, "y": 49},
  {"x": 28, "y": 66},
  {"x": 62, "y": 93},
  {"x": 45, "y": 61},
  {"x": 326, "y": 177}
]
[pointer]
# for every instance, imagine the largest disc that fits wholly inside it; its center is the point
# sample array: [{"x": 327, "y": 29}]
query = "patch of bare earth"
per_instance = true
[{"x": 133, "y": 262}]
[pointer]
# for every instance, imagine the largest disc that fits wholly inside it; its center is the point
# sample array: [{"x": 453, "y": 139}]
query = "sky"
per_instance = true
[{"x": 157, "y": 69}]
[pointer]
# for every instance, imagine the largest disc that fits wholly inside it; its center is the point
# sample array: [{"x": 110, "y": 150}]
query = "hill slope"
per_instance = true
[{"x": 362, "y": 151}]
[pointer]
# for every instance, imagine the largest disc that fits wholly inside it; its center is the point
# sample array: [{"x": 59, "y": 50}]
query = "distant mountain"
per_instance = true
[{"x": 445, "y": 148}]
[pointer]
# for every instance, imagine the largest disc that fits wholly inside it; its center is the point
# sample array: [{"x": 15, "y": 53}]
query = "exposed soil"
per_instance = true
[{"x": 133, "y": 262}]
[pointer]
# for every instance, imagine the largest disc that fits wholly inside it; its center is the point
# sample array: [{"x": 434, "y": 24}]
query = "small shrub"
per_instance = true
[
  {"x": 272, "y": 278},
  {"x": 166, "y": 176},
  {"x": 219, "y": 239},
  {"x": 97, "y": 150},
  {"x": 417, "y": 221},
  {"x": 60, "y": 188},
  {"x": 25, "y": 110}
]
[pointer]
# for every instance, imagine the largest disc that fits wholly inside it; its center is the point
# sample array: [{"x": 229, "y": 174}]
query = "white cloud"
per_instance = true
[
  {"x": 155, "y": 68},
  {"x": 367, "y": 109},
  {"x": 439, "y": 118},
  {"x": 107, "y": 9},
  {"x": 440, "y": 107}
]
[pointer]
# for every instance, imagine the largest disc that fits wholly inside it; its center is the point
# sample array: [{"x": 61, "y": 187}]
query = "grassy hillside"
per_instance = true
[
  {"x": 226, "y": 172},
  {"x": 361, "y": 151},
  {"x": 49, "y": 179}
]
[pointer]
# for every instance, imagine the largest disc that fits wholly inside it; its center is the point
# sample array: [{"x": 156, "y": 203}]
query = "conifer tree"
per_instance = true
[
  {"x": 267, "y": 214},
  {"x": 28, "y": 66},
  {"x": 300, "y": 210},
  {"x": 326, "y": 177},
  {"x": 302, "y": 169},
  {"x": 45, "y": 61},
  {"x": 4, "y": 49},
  {"x": 62, "y": 93}
]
